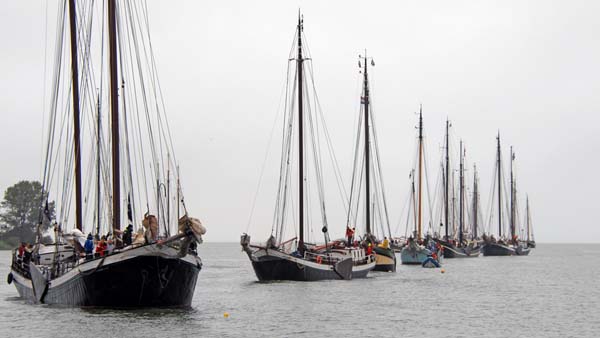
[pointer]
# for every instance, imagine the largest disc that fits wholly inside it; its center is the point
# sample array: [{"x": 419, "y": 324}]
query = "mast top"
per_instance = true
[{"x": 420, "y": 121}]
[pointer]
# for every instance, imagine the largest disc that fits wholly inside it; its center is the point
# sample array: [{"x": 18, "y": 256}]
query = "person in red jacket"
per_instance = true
[
  {"x": 101, "y": 247},
  {"x": 369, "y": 249},
  {"x": 349, "y": 235}
]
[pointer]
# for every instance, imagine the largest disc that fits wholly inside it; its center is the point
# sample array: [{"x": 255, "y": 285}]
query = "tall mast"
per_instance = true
[
  {"x": 527, "y": 218},
  {"x": 365, "y": 100},
  {"x": 461, "y": 198},
  {"x": 512, "y": 196},
  {"x": 498, "y": 164},
  {"x": 413, "y": 201},
  {"x": 114, "y": 112},
  {"x": 475, "y": 199},
  {"x": 98, "y": 167},
  {"x": 299, "y": 66},
  {"x": 447, "y": 176},
  {"x": 76, "y": 127},
  {"x": 420, "y": 231}
]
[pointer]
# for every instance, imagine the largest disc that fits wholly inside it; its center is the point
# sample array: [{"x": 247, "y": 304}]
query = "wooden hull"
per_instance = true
[
  {"x": 270, "y": 265},
  {"x": 414, "y": 256},
  {"x": 451, "y": 251},
  {"x": 496, "y": 249},
  {"x": 148, "y": 276},
  {"x": 385, "y": 260},
  {"x": 522, "y": 250}
]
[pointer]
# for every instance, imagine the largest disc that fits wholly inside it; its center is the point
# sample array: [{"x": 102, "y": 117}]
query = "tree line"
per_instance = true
[{"x": 23, "y": 208}]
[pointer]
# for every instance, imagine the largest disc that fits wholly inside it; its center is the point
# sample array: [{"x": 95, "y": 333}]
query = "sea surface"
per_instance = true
[{"x": 554, "y": 292}]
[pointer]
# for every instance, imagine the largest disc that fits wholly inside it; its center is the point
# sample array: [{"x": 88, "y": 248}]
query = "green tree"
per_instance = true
[{"x": 20, "y": 211}]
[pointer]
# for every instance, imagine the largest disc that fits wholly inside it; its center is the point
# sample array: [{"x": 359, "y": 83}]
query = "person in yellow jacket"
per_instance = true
[{"x": 385, "y": 244}]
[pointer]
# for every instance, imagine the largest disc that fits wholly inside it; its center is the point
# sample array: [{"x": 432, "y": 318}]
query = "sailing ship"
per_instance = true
[
  {"x": 376, "y": 211},
  {"x": 153, "y": 269},
  {"x": 461, "y": 247},
  {"x": 521, "y": 247},
  {"x": 529, "y": 227},
  {"x": 414, "y": 252},
  {"x": 297, "y": 259},
  {"x": 498, "y": 246}
]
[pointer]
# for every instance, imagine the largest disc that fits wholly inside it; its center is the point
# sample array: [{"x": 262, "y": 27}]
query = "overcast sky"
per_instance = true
[{"x": 530, "y": 69}]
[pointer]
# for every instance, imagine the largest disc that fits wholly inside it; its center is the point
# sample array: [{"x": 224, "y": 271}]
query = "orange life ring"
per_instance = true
[{"x": 319, "y": 259}]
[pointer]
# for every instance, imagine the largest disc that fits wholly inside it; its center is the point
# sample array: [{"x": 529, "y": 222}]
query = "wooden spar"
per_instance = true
[
  {"x": 512, "y": 195},
  {"x": 168, "y": 224},
  {"x": 475, "y": 198},
  {"x": 413, "y": 201},
  {"x": 76, "y": 126},
  {"x": 498, "y": 164},
  {"x": 299, "y": 66},
  {"x": 178, "y": 195},
  {"x": 447, "y": 177},
  {"x": 527, "y": 218},
  {"x": 114, "y": 112},
  {"x": 461, "y": 198},
  {"x": 98, "y": 167},
  {"x": 367, "y": 155},
  {"x": 420, "y": 222}
]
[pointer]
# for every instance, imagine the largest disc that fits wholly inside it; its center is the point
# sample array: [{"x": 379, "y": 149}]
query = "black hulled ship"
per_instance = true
[
  {"x": 143, "y": 267},
  {"x": 296, "y": 258},
  {"x": 461, "y": 247}
]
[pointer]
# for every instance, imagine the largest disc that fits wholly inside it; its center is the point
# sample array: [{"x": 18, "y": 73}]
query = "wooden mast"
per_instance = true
[
  {"x": 461, "y": 197},
  {"x": 76, "y": 126},
  {"x": 498, "y": 164},
  {"x": 475, "y": 198},
  {"x": 420, "y": 230},
  {"x": 299, "y": 66},
  {"x": 446, "y": 204},
  {"x": 512, "y": 196},
  {"x": 114, "y": 112},
  {"x": 527, "y": 220},
  {"x": 365, "y": 100},
  {"x": 414, "y": 204},
  {"x": 98, "y": 167}
]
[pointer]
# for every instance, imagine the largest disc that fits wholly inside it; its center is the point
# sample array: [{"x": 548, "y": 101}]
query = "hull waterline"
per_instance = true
[
  {"x": 125, "y": 280},
  {"x": 496, "y": 249}
]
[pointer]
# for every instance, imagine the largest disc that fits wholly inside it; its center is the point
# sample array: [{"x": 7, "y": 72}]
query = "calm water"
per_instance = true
[{"x": 552, "y": 293}]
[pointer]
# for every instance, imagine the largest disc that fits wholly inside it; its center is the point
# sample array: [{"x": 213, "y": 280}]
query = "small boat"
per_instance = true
[
  {"x": 296, "y": 259},
  {"x": 431, "y": 262}
]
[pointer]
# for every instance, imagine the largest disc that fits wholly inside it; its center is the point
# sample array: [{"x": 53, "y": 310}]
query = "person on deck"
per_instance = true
[
  {"x": 20, "y": 252},
  {"x": 110, "y": 246},
  {"x": 101, "y": 247},
  {"x": 369, "y": 249},
  {"x": 385, "y": 244},
  {"x": 27, "y": 254},
  {"x": 127, "y": 235},
  {"x": 349, "y": 235},
  {"x": 88, "y": 247}
]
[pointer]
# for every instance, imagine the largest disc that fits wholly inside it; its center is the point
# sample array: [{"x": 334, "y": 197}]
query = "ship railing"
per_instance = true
[
  {"x": 321, "y": 258},
  {"x": 19, "y": 265}
]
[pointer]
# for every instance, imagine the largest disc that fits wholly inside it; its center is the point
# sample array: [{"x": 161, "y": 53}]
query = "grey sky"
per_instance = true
[{"x": 527, "y": 68}]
